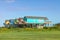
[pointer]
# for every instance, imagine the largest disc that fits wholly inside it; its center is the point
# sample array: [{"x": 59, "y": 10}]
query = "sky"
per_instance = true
[{"x": 11, "y": 9}]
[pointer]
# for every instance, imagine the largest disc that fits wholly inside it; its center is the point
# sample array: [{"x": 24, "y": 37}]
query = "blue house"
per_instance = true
[{"x": 41, "y": 21}]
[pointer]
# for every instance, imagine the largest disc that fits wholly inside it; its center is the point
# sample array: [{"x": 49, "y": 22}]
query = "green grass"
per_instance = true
[{"x": 30, "y": 35}]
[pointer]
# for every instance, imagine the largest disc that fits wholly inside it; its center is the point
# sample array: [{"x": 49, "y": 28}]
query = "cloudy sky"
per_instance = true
[{"x": 10, "y": 9}]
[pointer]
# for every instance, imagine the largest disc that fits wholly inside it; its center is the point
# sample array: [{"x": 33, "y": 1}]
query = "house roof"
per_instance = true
[{"x": 35, "y": 17}]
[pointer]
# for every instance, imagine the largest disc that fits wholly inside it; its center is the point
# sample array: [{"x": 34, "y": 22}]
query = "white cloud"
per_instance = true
[
  {"x": 12, "y": 8},
  {"x": 10, "y": 1}
]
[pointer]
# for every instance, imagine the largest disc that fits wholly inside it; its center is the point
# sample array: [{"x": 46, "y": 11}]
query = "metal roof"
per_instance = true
[{"x": 35, "y": 17}]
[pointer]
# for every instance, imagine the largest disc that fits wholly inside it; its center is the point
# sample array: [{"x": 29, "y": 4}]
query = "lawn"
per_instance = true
[{"x": 30, "y": 35}]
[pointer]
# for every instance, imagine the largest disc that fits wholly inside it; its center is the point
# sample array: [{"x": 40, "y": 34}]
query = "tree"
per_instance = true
[{"x": 57, "y": 25}]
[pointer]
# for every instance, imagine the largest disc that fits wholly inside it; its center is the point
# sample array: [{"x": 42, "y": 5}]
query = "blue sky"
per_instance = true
[{"x": 10, "y": 9}]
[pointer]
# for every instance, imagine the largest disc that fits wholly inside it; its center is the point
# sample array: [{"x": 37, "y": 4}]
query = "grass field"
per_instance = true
[{"x": 30, "y": 35}]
